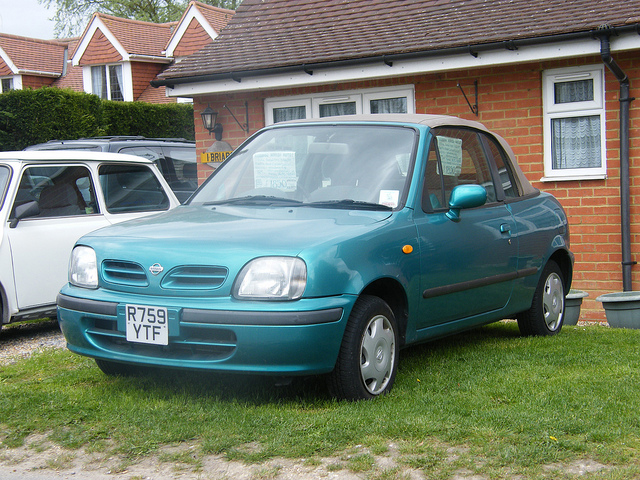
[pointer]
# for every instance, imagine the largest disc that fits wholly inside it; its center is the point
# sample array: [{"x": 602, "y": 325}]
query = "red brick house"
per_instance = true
[
  {"x": 115, "y": 58},
  {"x": 119, "y": 57},
  {"x": 30, "y": 62},
  {"x": 556, "y": 79}
]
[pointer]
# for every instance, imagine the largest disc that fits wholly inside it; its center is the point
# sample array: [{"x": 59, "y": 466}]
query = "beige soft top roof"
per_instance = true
[{"x": 431, "y": 121}]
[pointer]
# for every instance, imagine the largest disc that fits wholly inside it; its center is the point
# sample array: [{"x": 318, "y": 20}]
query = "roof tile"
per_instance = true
[
  {"x": 138, "y": 37},
  {"x": 278, "y": 33},
  {"x": 31, "y": 55}
]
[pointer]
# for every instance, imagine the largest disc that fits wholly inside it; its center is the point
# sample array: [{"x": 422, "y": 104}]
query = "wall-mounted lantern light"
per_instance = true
[{"x": 209, "y": 117}]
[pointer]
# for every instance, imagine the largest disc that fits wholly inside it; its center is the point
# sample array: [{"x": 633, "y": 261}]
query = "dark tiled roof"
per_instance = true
[{"x": 266, "y": 34}]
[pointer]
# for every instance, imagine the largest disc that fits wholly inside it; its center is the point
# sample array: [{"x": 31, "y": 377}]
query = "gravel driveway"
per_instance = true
[{"x": 22, "y": 340}]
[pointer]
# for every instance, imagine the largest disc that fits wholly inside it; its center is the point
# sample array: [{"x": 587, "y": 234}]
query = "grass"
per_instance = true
[{"x": 488, "y": 402}]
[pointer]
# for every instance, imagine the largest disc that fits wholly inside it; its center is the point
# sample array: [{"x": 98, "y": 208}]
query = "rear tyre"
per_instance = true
[
  {"x": 546, "y": 315},
  {"x": 114, "y": 368},
  {"x": 368, "y": 359}
]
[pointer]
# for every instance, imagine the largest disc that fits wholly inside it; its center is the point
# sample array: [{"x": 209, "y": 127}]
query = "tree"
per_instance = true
[{"x": 72, "y": 16}]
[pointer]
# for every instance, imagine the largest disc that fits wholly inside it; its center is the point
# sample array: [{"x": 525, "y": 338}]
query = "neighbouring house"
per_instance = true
[
  {"x": 556, "y": 78},
  {"x": 119, "y": 57},
  {"x": 30, "y": 63},
  {"x": 114, "y": 58}
]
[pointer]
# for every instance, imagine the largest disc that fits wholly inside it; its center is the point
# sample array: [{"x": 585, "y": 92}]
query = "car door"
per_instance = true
[
  {"x": 41, "y": 245},
  {"x": 467, "y": 265}
]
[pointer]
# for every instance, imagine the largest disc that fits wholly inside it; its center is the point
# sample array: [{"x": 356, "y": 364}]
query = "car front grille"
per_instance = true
[
  {"x": 185, "y": 278},
  {"x": 195, "y": 278},
  {"x": 124, "y": 273},
  {"x": 195, "y": 344}
]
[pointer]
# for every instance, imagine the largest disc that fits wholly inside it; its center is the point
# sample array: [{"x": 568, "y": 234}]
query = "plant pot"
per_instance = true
[
  {"x": 622, "y": 309},
  {"x": 572, "y": 303}
]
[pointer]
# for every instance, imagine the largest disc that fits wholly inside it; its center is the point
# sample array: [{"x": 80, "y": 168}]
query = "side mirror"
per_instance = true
[
  {"x": 29, "y": 209},
  {"x": 465, "y": 196}
]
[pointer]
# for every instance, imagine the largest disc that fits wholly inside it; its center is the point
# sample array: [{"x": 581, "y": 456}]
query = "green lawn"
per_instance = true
[{"x": 506, "y": 405}]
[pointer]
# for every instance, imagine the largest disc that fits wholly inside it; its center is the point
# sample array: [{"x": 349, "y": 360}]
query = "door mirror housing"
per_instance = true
[
  {"x": 29, "y": 209},
  {"x": 465, "y": 196}
]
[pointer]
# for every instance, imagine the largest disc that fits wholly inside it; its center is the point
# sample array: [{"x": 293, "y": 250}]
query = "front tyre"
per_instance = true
[
  {"x": 546, "y": 315},
  {"x": 368, "y": 358}
]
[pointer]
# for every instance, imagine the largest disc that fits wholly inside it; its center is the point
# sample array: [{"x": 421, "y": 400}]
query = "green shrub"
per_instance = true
[
  {"x": 29, "y": 116},
  {"x": 148, "y": 120}
]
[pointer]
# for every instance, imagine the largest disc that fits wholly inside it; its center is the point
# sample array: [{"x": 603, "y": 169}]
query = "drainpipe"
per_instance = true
[{"x": 625, "y": 209}]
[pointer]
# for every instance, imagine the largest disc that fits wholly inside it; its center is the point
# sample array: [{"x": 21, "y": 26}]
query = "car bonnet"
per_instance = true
[{"x": 189, "y": 231}]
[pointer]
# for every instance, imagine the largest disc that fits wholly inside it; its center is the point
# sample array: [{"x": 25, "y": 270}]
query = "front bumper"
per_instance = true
[{"x": 289, "y": 338}]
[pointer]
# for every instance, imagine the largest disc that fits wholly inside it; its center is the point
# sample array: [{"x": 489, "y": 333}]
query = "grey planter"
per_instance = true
[
  {"x": 572, "y": 303},
  {"x": 622, "y": 309}
]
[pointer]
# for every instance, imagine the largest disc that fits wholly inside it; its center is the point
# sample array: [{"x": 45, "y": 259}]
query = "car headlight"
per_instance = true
[
  {"x": 83, "y": 267},
  {"x": 271, "y": 278}
]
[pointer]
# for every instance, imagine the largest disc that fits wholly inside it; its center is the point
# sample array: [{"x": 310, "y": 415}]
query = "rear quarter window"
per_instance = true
[{"x": 131, "y": 188}]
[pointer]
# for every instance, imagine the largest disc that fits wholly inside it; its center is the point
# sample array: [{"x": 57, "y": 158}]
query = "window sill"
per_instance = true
[{"x": 572, "y": 178}]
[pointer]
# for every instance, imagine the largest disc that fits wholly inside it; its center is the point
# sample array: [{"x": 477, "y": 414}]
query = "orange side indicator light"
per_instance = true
[{"x": 407, "y": 249}]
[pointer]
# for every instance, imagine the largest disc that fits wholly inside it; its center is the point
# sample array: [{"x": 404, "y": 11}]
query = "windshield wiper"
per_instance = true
[
  {"x": 255, "y": 200},
  {"x": 348, "y": 203}
]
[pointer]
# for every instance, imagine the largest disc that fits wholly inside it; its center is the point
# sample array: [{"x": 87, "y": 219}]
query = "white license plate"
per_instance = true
[{"x": 147, "y": 324}]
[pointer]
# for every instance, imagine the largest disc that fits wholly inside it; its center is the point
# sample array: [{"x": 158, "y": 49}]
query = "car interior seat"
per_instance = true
[{"x": 59, "y": 200}]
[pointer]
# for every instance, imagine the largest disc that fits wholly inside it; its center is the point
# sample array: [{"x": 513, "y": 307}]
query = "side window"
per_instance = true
[
  {"x": 497, "y": 154},
  {"x": 182, "y": 161},
  {"x": 177, "y": 164},
  {"x": 59, "y": 191},
  {"x": 456, "y": 157},
  {"x": 131, "y": 188}
]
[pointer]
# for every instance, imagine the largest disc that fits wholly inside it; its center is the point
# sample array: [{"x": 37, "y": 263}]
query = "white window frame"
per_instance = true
[
  {"x": 554, "y": 110},
  {"x": 360, "y": 97},
  {"x": 294, "y": 102},
  {"x": 127, "y": 81},
  {"x": 385, "y": 94},
  {"x": 16, "y": 83},
  {"x": 336, "y": 98}
]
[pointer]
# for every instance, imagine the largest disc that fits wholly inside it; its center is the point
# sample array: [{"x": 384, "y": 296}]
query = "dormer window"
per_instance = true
[{"x": 106, "y": 82}]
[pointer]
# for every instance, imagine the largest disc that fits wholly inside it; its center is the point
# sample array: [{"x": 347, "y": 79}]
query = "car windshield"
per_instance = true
[{"x": 333, "y": 166}]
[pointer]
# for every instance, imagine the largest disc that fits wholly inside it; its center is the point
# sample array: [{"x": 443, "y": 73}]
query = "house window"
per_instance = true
[
  {"x": 336, "y": 105},
  {"x": 106, "y": 82},
  {"x": 6, "y": 85},
  {"x": 381, "y": 100},
  {"x": 282, "y": 114},
  {"x": 574, "y": 123}
]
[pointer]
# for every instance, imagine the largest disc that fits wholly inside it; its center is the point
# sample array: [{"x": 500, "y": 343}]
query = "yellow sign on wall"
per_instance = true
[{"x": 214, "y": 157}]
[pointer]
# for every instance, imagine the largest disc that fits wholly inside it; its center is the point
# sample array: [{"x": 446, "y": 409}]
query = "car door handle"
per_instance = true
[{"x": 505, "y": 228}]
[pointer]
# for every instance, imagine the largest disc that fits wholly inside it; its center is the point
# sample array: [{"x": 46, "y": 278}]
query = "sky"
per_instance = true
[{"x": 26, "y": 18}]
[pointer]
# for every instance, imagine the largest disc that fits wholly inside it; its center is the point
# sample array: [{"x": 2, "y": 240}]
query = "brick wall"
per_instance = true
[
  {"x": 31, "y": 81},
  {"x": 510, "y": 103}
]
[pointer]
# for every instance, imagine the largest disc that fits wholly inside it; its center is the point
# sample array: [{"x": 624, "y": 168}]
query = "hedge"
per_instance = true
[{"x": 29, "y": 116}]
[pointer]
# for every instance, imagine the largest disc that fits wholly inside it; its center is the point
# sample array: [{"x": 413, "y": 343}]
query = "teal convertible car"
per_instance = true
[{"x": 324, "y": 247}]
